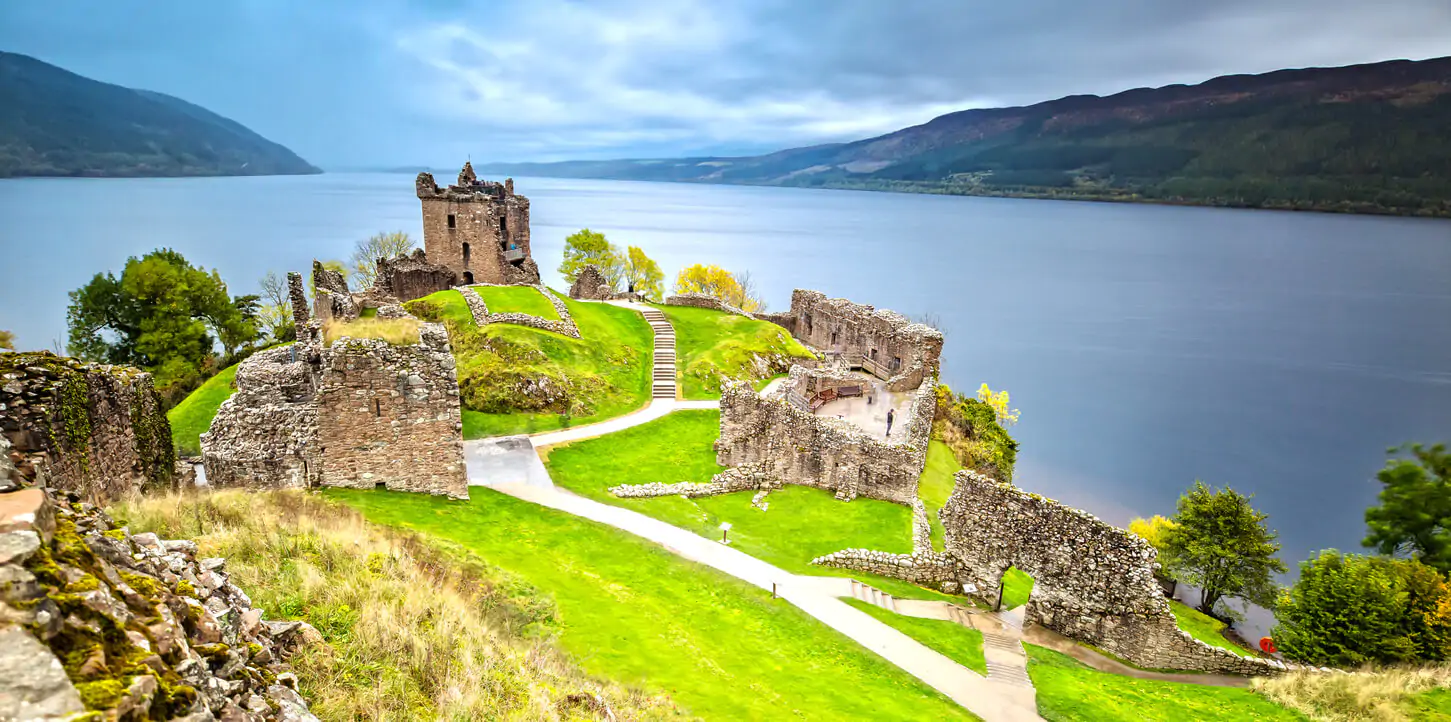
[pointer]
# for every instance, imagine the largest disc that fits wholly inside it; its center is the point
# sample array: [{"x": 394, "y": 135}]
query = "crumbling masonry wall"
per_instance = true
[
  {"x": 590, "y": 285},
  {"x": 389, "y": 416},
  {"x": 94, "y": 429},
  {"x": 405, "y": 278},
  {"x": 331, "y": 297},
  {"x": 477, "y": 229},
  {"x": 794, "y": 446},
  {"x": 884, "y": 343},
  {"x": 266, "y": 434},
  {"x": 704, "y": 300}
]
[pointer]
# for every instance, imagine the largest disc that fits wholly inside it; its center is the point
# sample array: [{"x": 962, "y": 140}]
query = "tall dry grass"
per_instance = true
[
  {"x": 1376, "y": 696},
  {"x": 396, "y": 331},
  {"x": 414, "y": 630}
]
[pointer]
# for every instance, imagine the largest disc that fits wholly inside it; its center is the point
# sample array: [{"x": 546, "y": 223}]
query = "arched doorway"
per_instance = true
[{"x": 468, "y": 278}]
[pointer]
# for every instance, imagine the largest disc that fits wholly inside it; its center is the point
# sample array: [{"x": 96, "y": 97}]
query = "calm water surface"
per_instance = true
[{"x": 1279, "y": 353}]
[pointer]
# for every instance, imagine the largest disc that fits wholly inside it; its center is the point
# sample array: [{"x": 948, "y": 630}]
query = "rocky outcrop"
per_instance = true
[
  {"x": 129, "y": 627},
  {"x": 590, "y": 285},
  {"x": 94, "y": 429}
]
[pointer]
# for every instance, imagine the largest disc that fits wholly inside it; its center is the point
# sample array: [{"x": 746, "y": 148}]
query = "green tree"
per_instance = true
[
  {"x": 7, "y": 340},
  {"x": 1219, "y": 543},
  {"x": 275, "y": 314},
  {"x": 1414, "y": 515},
  {"x": 160, "y": 315},
  {"x": 643, "y": 274},
  {"x": 591, "y": 248},
  {"x": 380, "y": 245},
  {"x": 1348, "y": 610}
]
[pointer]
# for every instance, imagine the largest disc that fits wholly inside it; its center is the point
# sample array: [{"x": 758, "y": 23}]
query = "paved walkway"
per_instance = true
[{"x": 988, "y": 698}]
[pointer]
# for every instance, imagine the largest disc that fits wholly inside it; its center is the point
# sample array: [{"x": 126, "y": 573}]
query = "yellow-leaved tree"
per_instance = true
[
  {"x": 643, "y": 274},
  {"x": 716, "y": 281},
  {"x": 998, "y": 400},
  {"x": 1151, "y": 529}
]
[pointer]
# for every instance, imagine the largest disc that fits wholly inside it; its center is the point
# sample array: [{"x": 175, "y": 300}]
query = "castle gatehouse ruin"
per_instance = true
[
  {"x": 358, "y": 413},
  {"x": 478, "y": 229}
]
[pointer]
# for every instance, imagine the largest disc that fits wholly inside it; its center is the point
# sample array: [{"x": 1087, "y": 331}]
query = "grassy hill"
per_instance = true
[
  {"x": 57, "y": 123},
  {"x": 193, "y": 416},
  {"x": 710, "y": 343},
  {"x": 519, "y": 380},
  {"x": 1362, "y": 138}
]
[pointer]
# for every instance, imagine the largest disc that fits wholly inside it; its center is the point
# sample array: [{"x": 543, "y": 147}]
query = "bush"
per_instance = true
[
  {"x": 970, "y": 428},
  {"x": 1348, "y": 610}
]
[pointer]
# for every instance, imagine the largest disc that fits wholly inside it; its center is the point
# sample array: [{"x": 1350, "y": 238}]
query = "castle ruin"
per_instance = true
[
  {"x": 478, "y": 229},
  {"x": 883, "y": 343}
]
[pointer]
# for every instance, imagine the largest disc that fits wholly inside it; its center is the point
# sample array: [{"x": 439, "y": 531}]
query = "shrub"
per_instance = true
[
  {"x": 970, "y": 428},
  {"x": 1348, "y": 610}
]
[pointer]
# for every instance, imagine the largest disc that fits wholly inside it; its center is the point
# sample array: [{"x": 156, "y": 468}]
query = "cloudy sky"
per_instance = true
[{"x": 384, "y": 82}]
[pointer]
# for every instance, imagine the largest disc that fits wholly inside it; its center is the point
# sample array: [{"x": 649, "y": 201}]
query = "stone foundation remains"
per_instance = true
[
  {"x": 883, "y": 343},
  {"x": 565, "y": 326},
  {"x": 405, "y": 278},
  {"x": 1092, "y": 581},
  {"x": 360, "y": 413},
  {"x": 704, "y": 300},
  {"x": 94, "y": 429}
]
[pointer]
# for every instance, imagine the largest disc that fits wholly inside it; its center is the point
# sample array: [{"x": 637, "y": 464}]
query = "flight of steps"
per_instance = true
[
  {"x": 872, "y": 595},
  {"x": 662, "y": 376},
  {"x": 1012, "y": 671}
]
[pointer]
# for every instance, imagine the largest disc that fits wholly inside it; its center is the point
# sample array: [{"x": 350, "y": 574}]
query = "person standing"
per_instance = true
[{"x": 890, "y": 414}]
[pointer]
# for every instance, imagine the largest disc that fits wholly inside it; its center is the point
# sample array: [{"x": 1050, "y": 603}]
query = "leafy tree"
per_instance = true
[
  {"x": 1349, "y": 610},
  {"x": 275, "y": 314},
  {"x": 590, "y": 248},
  {"x": 1151, "y": 529},
  {"x": 7, "y": 340},
  {"x": 380, "y": 245},
  {"x": 160, "y": 315},
  {"x": 643, "y": 274},
  {"x": 1414, "y": 516},
  {"x": 1219, "y": 543},
  {"x": 1000, "y": 405},
  {"x": 716, "y": 281},
  {"x": 970, "y": 429}
]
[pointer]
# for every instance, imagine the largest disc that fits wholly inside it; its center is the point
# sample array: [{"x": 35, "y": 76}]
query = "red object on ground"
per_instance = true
[{"x": 1268, "y": 645}]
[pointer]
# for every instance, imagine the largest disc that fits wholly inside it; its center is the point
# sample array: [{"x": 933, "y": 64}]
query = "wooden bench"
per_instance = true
[{"x": 846, "y": 391}]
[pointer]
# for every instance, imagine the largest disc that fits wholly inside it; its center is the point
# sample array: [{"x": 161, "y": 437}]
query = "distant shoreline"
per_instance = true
[{"x": 200, "y": 174}]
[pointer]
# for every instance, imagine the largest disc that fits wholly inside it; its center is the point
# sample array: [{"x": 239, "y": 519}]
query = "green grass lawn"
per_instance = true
[
  {"x": 1433, "y": 706},
  {"x": 800, "y": 523},
  {"x": 936, "y": 485},
  {"x": 950, "y": 639},
  {"x": 709, "y": 343},
  {"x": 518, "y": 299},
  {"x": 1070, "y": 691},
  {"x": 520, "y": 380},
  {"x": 193, "y": 416},
  {"x": 633, "y": 612},
  {"x": 1017, "y": 587},
  {"x": 1204, "y": 628}
]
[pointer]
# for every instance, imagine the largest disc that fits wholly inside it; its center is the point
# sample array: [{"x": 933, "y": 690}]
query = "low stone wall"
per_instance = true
[
  {"x": 921, "y": 528},
  {"x": 94, "y": 429},
  {"x": 927, "y": 569},
  {"x": 741, "y": 478},
  {"x": 389, "y": 416},
  {"x": 83, "y": 601},
  {"x": 482, "y": 317},
  {"x": 704, "y": 300}
]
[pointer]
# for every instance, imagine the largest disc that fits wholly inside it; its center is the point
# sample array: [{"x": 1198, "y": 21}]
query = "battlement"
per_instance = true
[{"x": 468, "y": 189}]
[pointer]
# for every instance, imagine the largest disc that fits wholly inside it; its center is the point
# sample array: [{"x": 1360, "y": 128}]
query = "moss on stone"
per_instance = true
[
  {"x": 85, "y": 584},
  {"x": 185, "y": 588},
  {"x": 212, "y": 650},
  {"x": 116, "y": 534},
  {"x": 143, "y": 584},
  {"x": 101, "y": 694}
]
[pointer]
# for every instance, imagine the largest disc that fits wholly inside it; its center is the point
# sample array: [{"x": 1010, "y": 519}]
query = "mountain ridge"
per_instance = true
[
  {"x": 1361, "y": 138},
  {"x": 60, "y": 123}
]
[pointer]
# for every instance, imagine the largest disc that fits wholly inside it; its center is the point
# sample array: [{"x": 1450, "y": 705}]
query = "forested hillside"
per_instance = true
[
  {"x": 1365, "y": 138},
  {"x": 57, "y": 123}
]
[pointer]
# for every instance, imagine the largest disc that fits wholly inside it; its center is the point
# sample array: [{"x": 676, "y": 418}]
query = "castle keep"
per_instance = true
[{"x": 478, "y": 229}]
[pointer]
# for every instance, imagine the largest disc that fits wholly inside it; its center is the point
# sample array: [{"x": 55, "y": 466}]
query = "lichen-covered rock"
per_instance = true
[{"x": 133, "y": 627}]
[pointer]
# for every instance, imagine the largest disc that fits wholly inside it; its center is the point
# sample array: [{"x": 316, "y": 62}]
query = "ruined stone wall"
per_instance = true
[
  {"x": 564, "y": 325},
  {"x": 389, "y": 416},
  {"x": 488, "y": 221},
  {"x": 591, "y": 285},
  {"x": 1092, "y": 581},
  {"x": 412, "y": 276},
  {"x": 94, "y": 429},
  {"x": 266, "y": 434},
  {"x": 704, "y": 300},
  {"x": 889, "y": 345},
  {"x": 799, "y": 448},
  {"x": 331, "y": 297}
]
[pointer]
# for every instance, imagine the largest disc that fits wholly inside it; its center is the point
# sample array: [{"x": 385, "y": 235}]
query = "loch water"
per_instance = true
[{"x": 1146, "y": 346}]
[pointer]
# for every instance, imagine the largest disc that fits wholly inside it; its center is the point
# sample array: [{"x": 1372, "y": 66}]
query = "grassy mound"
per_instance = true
[
  {"x": 709, "y": 343},
  {"x": 519, "y": 380},
  {"x": 936, "y": 485},
  {"x": 950, "y": 639},
  {"x": 632, "y": 611},
  {"x": 193, "y": 416},
  {"x": 1204, "y": 628},
  {"x": 517, "y": 299},
  {"x": 799, "y": 523},
  {"x": 1070, "y": 691},
  {"x": 414, "y": 630}
]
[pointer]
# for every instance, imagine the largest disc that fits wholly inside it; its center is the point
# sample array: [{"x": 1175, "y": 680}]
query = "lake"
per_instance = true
[{"x": 1147, "y": 346}]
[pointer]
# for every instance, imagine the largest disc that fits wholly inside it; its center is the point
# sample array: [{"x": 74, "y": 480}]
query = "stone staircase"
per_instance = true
[
  {"x": 662, "y": 376},
  {"x": 873, "y": 596},
  {"x": 1007, "y": 663}
]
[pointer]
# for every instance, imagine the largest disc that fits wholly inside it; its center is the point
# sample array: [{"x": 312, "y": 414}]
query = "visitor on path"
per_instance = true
[{"x": 890, "y": 414}]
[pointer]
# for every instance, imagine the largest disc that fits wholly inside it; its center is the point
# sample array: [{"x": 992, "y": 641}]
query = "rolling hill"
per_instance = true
[
  {"x": 1362, "y": 138},
  {"x": 57, "y": 123}
]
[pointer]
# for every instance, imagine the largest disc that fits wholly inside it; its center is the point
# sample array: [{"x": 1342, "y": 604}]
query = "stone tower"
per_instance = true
[{"x": 479, "y": 229}]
